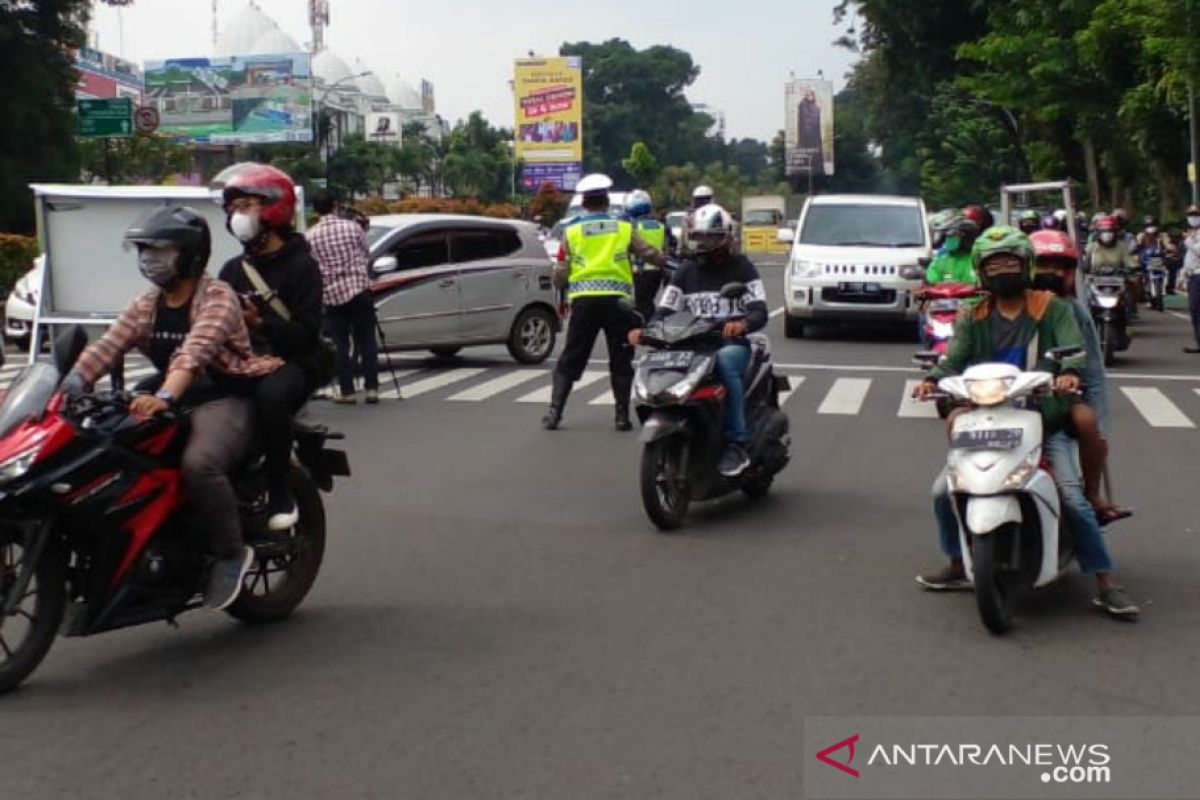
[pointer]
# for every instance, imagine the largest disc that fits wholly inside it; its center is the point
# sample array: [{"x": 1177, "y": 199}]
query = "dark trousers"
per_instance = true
[
  {"x": 589, "y": 316},
  {"x": 221, "y": 433},
  {"x": 1193, "y": 289},
  {"x": 645, "y": 288},
  {"x": 277, "y": 398},
  {"x": 357, "y": 318}
]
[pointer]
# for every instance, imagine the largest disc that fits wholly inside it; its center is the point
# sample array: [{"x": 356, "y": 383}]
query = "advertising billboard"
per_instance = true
[
  {"x": 548, "y": 123},
  {"x": 808, "y": 127},
  {"x": 253, "y": 99},
  {"x": 103, "y": 76},
  {"x": 383, "y": 127}
]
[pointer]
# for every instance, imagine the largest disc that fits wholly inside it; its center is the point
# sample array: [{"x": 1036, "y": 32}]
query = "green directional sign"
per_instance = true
[{"x": 105, "y": 118}]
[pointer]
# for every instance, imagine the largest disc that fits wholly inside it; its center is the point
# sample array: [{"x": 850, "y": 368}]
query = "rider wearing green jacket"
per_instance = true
[{"x": 956, "y": 234}]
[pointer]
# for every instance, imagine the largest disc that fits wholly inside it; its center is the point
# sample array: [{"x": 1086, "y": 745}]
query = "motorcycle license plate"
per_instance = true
[
  {"x": 669, "y": 359},
  {"x": 859, "y": 288},
  {"x": 994, "y": 439}
]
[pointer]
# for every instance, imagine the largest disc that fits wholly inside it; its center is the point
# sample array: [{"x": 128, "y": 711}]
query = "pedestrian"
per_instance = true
[
  {"x": 340, "y": 247},
  {"x": 596, "y": 271},
  {"x": 1189, "y": 281}
]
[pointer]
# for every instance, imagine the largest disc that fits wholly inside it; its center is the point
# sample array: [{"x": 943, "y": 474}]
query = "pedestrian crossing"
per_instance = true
[{"x": 1171, "y": 405}]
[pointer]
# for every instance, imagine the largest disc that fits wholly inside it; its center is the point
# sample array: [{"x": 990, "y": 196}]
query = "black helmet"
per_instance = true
[
  {"x": 179, "y": 226},
  {"x": 1149, "y": 222}
]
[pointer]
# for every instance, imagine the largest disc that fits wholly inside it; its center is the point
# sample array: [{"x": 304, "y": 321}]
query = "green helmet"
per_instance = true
[
  {"x": 940, "y": 222},
  {"x": 1030, "y": 213},
  {"x": 1002, "y": 239}
]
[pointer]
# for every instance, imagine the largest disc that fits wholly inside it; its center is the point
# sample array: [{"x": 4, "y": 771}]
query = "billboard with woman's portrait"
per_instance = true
[{"x": 808, "y": 129}]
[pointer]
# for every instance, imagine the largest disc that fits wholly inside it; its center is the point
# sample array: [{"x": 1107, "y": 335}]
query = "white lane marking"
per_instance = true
[
  {"x": 605, "y": 399},
  {"x": 497, "y": 385},
  {"x": 795, "y": 380},
  {"x": 915, "y": 408},
  {"x": 1183, "y": 317},
  {"x": 846, "y": 396},
  {"x": 542, "y": 395},
  {"x": 1159, "y": 411},
  {"x": 440, "y": 380},
  {"x": 390, "y": 394},
  {"x": 777, "y": 312}
]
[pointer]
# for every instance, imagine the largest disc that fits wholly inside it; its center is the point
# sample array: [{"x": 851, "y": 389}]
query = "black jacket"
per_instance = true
[
  {"x": 697, "y": 288},
  {"x": 292, "y": 273}
]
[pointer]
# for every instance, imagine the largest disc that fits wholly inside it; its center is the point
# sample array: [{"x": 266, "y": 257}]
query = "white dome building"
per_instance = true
[
  {"x": 252, "y": 32},
  {"x": 402, "y": 94},
  {"x": 329, "y": 68},
  {"x": 371, "y": 85}
]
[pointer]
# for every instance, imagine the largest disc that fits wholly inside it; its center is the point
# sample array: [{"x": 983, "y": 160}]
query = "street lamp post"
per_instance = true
[{"x": 321, "y": 106}]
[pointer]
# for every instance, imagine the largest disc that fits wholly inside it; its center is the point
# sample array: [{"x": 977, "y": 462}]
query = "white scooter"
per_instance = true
[{"x": 1010, "y": 524}]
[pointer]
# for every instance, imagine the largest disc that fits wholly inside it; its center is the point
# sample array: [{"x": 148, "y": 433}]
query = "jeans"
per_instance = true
[
  {"x": 1090, "y": 549},
  {"x": 355, "y": 317},
  {"x": 732, "y": 360},
  {"x": 220, "y": 438}
]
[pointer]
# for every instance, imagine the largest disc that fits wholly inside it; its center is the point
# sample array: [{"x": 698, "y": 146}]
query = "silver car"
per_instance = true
[{"x": 443, "y": 282}]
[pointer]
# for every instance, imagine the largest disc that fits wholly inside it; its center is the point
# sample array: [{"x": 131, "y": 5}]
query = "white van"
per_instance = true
[{"x": 855, "y": 258}]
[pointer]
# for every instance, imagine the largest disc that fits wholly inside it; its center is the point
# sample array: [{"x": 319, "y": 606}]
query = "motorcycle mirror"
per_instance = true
[
  {"x": 68, "y": 346},
  {"x": 733, "y": 290},
  {"x": 1060, "y": 353},
  {"x": 925, "y": 358}
]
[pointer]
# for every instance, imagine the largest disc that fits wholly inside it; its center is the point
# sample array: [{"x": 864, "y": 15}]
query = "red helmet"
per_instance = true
[
  {"x": 1054, "y": 244},
  {"x": 269, "y": 184},
  {"x": 1107, "y": 224}
]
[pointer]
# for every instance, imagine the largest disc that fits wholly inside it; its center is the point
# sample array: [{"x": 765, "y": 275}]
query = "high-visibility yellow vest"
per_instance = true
[
  {"x": 599, "y": 257},
  {"x": 653, "y": 233}
]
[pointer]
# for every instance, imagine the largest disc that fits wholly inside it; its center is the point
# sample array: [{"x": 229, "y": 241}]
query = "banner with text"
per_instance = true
[
  {"x": 548, "y": 124},
  {"x": 808, "y": 127}
]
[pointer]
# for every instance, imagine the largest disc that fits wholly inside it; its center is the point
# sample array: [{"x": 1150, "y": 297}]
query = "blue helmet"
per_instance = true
[{"x": 638, "y": 204}]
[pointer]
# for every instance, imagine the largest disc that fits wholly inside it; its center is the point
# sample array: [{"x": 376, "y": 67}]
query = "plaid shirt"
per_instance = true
[
  {"x": 217, "y": 336},
  {"x": 340, "y": 247}
]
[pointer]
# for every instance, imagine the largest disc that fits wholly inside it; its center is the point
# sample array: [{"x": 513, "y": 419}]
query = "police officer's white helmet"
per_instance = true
[
  {"x": 702, "y": 191},
  {"x": 712, "y": 228},
  {"x": 596, "y": 183}
]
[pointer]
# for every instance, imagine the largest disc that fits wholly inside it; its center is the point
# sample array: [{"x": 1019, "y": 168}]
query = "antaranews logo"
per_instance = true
[{"x": 849, "y": 746}]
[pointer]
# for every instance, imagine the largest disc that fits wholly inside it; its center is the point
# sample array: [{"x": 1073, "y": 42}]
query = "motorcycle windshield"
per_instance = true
[
  {"x": 28, "y": 396},
  {"x": 681, "y": 326}
]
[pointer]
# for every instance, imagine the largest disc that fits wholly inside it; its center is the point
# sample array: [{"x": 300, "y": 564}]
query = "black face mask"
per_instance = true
[
  {"x": 1010, "y": 284},
  {"x": 1049, "y": 282}
]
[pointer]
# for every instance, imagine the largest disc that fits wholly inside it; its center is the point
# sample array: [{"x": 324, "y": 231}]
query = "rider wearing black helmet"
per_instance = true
[{"x": 191, "y": 329}]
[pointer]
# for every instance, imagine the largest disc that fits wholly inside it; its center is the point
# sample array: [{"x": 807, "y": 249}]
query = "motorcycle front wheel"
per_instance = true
[
  {"x": 1108, "y": 344},
  {"x": 663, "y": 478},
  {"x": 996, "y": 588},
  {"x": 27, "y": 632}
]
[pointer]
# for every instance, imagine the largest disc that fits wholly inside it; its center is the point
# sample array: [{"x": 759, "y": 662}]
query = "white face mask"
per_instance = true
[
  {"x": 1152, "y": 230},
  {"x": 1107, "y": 237},
  {"x": 244, "y": 226},
  {"x": 1193, "y": 222}
]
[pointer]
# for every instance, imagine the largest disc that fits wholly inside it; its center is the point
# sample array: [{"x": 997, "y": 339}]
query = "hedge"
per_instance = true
[
  {"x": 437, "y": 205},
  {"x": 16, "y": 257}
]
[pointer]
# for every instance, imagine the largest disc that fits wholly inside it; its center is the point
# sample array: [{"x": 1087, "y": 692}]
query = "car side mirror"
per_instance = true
[
  {"x": 734, "y": 290},
  {"x": 68, "y": 346},
  {"x": 785, "y": 236},
  {"x": 384, "y": 265}
]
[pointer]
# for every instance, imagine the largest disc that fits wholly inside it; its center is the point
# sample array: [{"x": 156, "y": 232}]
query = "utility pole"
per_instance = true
[{"x": 1192, "y": 167}]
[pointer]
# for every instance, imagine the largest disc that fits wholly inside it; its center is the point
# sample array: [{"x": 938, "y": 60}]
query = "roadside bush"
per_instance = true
[
  {"x": 16, "y": 257},
  {"x": 438, "y": 205}
]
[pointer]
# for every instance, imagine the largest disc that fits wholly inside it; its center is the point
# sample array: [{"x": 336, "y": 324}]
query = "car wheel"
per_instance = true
[
  {"x": 532, "y": 338},
  {"x": 792, "y": 327}
]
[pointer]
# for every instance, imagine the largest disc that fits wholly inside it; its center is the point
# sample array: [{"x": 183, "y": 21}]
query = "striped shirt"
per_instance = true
[{"x": 340, "y": 247}]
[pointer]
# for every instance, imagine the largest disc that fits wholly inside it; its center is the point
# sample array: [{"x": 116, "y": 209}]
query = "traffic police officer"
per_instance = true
[
  {"x": 647, "y": 278},
  {"x": 597, "y": 273}
]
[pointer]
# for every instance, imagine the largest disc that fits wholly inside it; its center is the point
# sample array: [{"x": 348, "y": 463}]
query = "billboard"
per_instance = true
[
  {"x": 808, "y": 130},
  {"x": 252, "y": 99},
  {"x": 548, "y": 125},
  {"x": 103, "y": 77},
  {"x": 383, "y": 127}
]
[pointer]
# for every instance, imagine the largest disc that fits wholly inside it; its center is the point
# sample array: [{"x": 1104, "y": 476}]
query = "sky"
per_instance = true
[{"x": 746, "y": 51}]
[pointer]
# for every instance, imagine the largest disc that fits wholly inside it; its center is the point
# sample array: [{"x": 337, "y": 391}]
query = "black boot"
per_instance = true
[
  {"x": 558, "y": 401},
  {"x": 622, "y": 422},
  {"x": 622, "y": 387}
]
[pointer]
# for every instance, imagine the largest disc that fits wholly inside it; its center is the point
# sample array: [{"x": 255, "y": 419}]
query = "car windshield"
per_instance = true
[
  {"x": 28, "y": 396},
  {"x": 863, "y": 225},
  {"x": 375, "y": 233},
  {"x": 762, "y": 216}
]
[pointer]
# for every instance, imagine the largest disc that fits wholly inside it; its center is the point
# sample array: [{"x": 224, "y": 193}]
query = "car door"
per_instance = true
[
  {"x": 493, "y": 284},
  {"x": 416, "y": 290}
]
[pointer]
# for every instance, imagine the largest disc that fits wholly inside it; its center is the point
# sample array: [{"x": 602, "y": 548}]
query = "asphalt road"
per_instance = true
[{"x": 497, "y": 618}]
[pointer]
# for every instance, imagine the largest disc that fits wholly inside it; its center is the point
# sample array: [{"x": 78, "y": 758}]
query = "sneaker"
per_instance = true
[
  {"x": 284, "y": 511},
  {"x": 733, "y": 461},
  {"x": 372, "y": 396},
  {"x": 1116, "y": 603},
  {"x": 346, "y": 399},
  {"x": 952, "y": 578},
  {"x": 225, "y": 580}
]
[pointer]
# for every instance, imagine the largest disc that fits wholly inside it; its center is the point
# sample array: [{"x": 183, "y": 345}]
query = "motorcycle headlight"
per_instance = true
[
  {"x": 18, "y": 465},
  {"x": 688, "y": 384},
  {"x": 989, "y": 392},
  {"x": 1107, "y": 301},
  {"x": 1020, "y": 476}
]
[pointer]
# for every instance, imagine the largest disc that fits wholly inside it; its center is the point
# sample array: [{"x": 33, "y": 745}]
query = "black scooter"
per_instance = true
[{"x": 681, "y": 405}]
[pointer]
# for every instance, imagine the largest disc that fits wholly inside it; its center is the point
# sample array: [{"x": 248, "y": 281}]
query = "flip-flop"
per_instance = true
[{"x": 1112, "y": 514}]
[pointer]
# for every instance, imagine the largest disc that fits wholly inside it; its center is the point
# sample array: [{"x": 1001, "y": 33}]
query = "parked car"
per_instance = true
[
  {"x": 22, "y": 300},
  {"x": 443, "y": 282},
  {"x": 855, "y": 258}
]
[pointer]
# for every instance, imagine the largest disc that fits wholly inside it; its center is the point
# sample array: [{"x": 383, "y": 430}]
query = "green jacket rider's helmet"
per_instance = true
[
  {"x": 939, "y": 222},
  {"x": 1001, "y": 239},
  {"x": 1029, "y": 217}
]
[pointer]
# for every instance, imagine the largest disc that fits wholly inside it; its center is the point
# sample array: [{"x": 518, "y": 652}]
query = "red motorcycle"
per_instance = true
[
  {"x": 94, "y": 531},
  {"x": 940, "y": 304}
]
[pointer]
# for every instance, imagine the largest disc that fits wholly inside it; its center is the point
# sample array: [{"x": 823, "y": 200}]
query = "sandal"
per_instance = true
[{"x": 1110, "y": 514}]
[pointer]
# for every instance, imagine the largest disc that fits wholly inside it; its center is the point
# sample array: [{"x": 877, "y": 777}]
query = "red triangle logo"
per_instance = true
[{"x": 823, "y": 756}]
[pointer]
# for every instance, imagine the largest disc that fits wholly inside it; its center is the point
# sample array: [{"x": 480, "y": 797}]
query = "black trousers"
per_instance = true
[
  {"x": 645, "y": 288},
  {"x": 355, "y": 317},
  {"x": 1193, "y": 290},
  {"x": 277, "y": 398},
  {"x": 589, "y": 316}
]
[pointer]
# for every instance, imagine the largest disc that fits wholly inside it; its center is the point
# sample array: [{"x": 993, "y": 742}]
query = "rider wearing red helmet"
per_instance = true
[{"x": 280, "y": 286}]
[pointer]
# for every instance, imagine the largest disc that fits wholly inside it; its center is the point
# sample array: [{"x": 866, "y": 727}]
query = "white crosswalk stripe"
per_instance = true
[
  {"x": 439, "y": 380},
  {"x": 846, "y": 396},
  {"x": 915, "y": 408},
  {"x": 1157, "y": 409},
  {"x": 497, "y": 385},
  {"x": 542, "y": 395},
  {"x": 784, "y": 396}
]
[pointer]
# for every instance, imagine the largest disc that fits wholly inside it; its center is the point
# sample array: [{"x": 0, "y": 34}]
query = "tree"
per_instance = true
[
  {"x": 641, "y": 165},
  {"x": 142, "y": 158},
  {"x": 37, "y": 142},
  {"x": 548, "y": 203},
  {"x": 361, "y": 167}
]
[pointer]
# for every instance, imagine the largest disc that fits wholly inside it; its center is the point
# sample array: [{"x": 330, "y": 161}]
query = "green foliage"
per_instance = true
[
  {"x": 641, "y": 165},
  {"x": 965, "y": 152},
  {"x": 548, "y": 203},
  {"x": 361, "y": 167},
  {"x": 16, "y": 257},
  {"x": 37, "y": 141},
  {"x": 142, "y": 158}
]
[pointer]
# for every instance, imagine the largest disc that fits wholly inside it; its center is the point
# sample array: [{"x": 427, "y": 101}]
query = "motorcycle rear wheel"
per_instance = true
[
  {"x": 277, "y": 584},
  {"x": 995, "y": 588},
  {"x": 663, "y": 479},
  {"x": 37, "y": 615}
]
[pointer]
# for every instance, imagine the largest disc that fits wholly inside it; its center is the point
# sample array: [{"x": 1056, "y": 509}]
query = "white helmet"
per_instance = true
[
  {"x": 712, "y": 229},
  {"x": 595, "y": 183},
  {"x": 701, "y": 195},
  {"x": 639, "y": 204}
]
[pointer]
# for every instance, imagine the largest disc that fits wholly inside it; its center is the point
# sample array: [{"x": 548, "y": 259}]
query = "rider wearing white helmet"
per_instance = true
[
  {"x": 697, "y": 288},
  {"x": 701, "y": 196}
]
